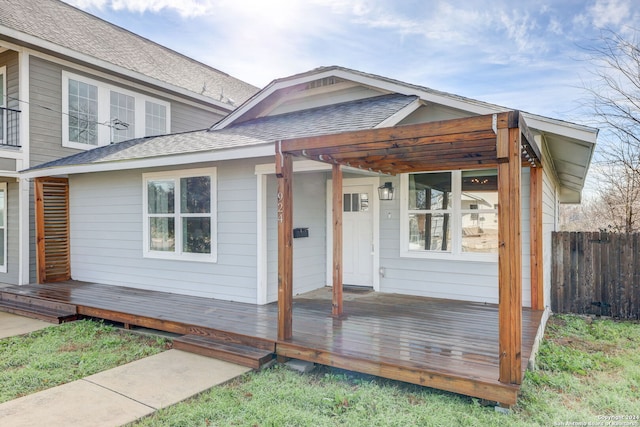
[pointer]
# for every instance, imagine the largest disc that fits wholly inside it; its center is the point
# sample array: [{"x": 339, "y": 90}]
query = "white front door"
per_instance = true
[{"x": 357, "y": 231}]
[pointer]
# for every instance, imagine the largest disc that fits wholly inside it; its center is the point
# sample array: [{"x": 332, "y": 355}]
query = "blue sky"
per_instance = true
[{"x": 527, "y": 55}]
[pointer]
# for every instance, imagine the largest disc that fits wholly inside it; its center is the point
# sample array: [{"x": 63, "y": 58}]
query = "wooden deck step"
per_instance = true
[
  {"x": 231, "y": 352},
  {"x": 36, "y": 308}
]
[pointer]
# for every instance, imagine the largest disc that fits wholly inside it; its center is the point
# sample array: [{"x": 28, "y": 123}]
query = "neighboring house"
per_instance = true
[
  {"x": 70, "y": 82},
  {"x": 196, "y": 213}
]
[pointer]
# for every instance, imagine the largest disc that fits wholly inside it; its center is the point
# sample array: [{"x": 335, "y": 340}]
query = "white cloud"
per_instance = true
[
  {"x": 86, "y": 4},
  {"x": 185, "y": 8},
  {"x": 605, "y": 13}
]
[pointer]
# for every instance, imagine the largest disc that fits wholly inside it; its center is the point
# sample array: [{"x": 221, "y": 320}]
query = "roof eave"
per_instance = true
[{"x": 252, "y": 151}]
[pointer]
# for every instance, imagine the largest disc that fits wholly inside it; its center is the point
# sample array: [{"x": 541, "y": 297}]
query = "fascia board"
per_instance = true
[{"x": 262, "y": 150}]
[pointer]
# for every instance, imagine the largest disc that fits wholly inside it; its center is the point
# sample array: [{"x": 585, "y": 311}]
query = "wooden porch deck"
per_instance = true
[{"x": 448, "y": 345}]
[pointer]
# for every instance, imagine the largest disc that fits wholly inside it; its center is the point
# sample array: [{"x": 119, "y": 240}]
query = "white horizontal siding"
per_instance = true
[
  {"x": 325, "y": 96},
  {"x": 549, "y": 225},
  {"x": 106, "y": 237},
  {"x": 309, "y": 253}
]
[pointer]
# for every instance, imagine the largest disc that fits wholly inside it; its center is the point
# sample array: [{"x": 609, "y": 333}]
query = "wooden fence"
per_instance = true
[{"x": 596, "y": 273}]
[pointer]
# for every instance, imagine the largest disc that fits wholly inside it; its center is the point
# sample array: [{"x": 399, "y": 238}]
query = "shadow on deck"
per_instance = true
[{"x": 444, "y": 344}]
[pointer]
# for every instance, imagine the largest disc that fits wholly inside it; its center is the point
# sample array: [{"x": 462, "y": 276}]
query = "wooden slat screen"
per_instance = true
[{"x": 52, "y": 229}]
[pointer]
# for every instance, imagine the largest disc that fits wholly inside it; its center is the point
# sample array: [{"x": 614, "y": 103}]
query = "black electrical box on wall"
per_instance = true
[{"x": 300, "y": 232}]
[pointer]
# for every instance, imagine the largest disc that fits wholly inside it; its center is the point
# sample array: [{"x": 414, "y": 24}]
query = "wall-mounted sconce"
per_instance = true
[{"x": 385, "y": 192}]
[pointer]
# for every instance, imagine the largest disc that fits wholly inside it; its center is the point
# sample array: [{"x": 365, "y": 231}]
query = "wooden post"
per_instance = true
[
  {"x": 510, "y": 250},
  {"x": 284, "y": 173},
  {"x": 337, "y": 306},
  {"x": 41, "y": 271},
  {"x": 535, "y": 219}
]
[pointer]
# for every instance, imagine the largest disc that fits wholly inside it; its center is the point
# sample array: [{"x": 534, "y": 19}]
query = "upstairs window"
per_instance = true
[
  {"x": 123, "y": 117},
  {"x": 179, "y": 217},
  {"x": 450, "y": 214},
  {"x": 83, "y": 113},
  {"x": 96, "y": 113},
  {"x": 156, "y": 119}
]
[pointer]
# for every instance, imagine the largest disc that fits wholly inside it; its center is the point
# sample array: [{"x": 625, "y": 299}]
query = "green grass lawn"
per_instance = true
[
  {"x": 64, "y": 353},
  {"x": 587, "y": 372}
]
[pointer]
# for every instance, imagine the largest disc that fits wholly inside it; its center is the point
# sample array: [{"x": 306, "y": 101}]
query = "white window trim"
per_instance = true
[
  {"x": 3, "y": 187},
  {"x": 178, "y": 254},
  {"x": 104, "y": 110},
  {"x": 456, "y": 227}
]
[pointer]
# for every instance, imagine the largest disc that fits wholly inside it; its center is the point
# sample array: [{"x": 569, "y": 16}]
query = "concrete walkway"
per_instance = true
[
  {"x": 12, "y": 325},
  {"x": 120, "y": 395}
]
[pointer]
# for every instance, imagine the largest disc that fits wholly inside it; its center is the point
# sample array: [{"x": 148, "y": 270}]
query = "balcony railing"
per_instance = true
[{"x": 9, "y": 127}]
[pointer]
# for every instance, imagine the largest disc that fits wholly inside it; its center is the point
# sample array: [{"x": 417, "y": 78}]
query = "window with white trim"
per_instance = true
[
  {"x": 180, "y": 215},
  {"x": 451, "y": 214},
  {"x": 123, "y": 116},
  {"x": 156, "y": 119},
  {"x": 3, "y": 227},
  {"x": 96, "y": 113}
]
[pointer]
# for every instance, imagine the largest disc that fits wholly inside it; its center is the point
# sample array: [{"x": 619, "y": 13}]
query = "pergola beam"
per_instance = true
[{"x": 392, "y": 134}]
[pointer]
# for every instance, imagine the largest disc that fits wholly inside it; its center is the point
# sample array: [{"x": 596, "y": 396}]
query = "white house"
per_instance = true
[{"x": 195, "y": 212}]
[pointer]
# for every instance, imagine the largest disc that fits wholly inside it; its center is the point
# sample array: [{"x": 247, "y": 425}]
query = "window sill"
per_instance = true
[
  {"x": 212, "y": 259},
  {"x": 79, "y": 146},
  {"x": 449, "y": 256}
]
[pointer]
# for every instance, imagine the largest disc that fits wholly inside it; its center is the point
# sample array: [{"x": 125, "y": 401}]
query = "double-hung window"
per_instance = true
[
  {"x": 450, "y": 214},
  {"x": 97, "y": 113},
  {"x": 180, "y": 215}
]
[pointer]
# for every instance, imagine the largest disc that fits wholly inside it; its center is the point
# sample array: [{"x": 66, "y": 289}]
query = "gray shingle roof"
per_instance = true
[
  {"x": 59, "y": 23},
  {"x": 335, "y": 118}
]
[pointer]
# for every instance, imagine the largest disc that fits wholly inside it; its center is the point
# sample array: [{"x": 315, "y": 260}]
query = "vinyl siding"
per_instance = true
[
  {"x": 187, "y": 117},
  {"x": 309, "y": 253},
  {"x": 432, "y": 113},
  {"x": 325, "y": 96},
  {"x": 106, "y": 237},
  {"x": 46, "y": 111},
  {"x": 549, "y": 224},
  {"x": 441, "y": 278},
  {"x": 45, "y": 125}
]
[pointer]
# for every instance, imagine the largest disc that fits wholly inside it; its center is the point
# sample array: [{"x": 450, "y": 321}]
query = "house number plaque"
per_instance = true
[{"x": 280, "y": 208}]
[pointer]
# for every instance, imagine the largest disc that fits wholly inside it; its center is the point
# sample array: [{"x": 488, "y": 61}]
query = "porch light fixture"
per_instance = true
[{"x": 385, "y": 192}]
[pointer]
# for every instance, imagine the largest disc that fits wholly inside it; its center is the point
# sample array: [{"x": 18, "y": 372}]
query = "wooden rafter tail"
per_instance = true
[{"x": 529, "y": 142}]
